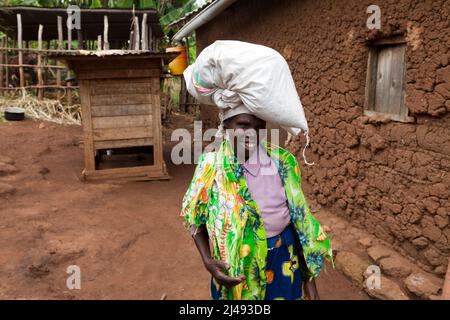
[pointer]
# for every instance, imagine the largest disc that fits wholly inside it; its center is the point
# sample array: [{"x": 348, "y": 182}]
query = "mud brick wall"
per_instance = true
[{"x": 389, "y": 177}]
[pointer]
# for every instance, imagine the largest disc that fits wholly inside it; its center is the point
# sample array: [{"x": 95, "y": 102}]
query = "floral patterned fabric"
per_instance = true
[{"x": 219, "y": 198}]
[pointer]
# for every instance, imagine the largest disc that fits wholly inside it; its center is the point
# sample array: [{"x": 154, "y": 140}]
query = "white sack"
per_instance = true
[{"x": 229, "y": 73}]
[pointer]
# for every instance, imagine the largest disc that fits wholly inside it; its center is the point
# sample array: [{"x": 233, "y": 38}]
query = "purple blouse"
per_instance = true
[{"x": 266, "y": 188}]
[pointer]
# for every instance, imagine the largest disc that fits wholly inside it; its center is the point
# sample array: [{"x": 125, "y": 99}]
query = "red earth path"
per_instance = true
[{"x": 127, "y": 238}]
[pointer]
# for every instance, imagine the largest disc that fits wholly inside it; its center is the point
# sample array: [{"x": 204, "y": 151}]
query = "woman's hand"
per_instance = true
[{"x": 218, "y": 270}]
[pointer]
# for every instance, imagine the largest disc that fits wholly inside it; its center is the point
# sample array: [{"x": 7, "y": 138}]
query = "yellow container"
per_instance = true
[{"x": 179, "y": 64}]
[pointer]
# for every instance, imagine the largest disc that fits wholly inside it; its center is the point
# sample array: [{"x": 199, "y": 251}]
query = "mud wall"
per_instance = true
[{"x": 389, "y": 177}]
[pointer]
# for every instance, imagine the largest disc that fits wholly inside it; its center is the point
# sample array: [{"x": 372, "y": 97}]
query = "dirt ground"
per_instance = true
[{"x": 127, "y": 238}]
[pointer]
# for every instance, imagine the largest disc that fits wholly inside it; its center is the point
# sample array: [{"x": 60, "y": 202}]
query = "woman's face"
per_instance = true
[{"x": 244, "y": 130}]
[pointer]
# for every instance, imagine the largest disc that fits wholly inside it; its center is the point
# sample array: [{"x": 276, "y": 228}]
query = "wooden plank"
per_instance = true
[
  {"x": 397, "y": 79},
  {"x": 383, "y": 80},
  {"x": 118, "y": 73},
  {"x": 371, "y": 80},
  {"x": 120, "y": 87},
  {"x": 108, "y": 82},
  {"x": 99, "y": 42},
  {"x": 89, "y": 152},
  {"x": 121, "y": 110},
  {"x": 122, "y": 133},
  {"x": 148, "y": 172},
  {"x": 3, "y": 44},
  {"x": 20, "y": 55},
  {"x": 400, "y": 39},
  {"x": 60, "y": 47},
  {"x": 136, "y": 33},
  {"x": 105, "y": 33},
  {"x": 383, "y": 116},
  {"x": 121, "y": 121},
  {"x": 144, "y": 29},
  {"x": 110, "y": 144},
  {"x": 157, "y": 132},
  {"x": 108, "y": 63},
  {"x": 69, "y": 72},
  {"x": 120, "y": 99},
  {"x": 6, "y": 61},
  {"x": 39, "y": 64}
]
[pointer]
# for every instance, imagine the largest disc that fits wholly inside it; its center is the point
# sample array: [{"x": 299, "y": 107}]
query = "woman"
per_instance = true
[{"x": 266, "y": 243}]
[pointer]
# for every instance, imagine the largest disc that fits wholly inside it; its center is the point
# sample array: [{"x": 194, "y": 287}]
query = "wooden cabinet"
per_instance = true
[{"x": 120, "y": 101}]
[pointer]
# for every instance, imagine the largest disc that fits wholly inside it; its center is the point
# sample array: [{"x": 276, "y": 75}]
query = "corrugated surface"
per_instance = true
[
  {"x": 91, "y": 22},
  {"x": 191, "y": 14}
]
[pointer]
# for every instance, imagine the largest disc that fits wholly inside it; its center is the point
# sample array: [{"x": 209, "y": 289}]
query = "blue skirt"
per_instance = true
[{"x": 283, "y": 273}]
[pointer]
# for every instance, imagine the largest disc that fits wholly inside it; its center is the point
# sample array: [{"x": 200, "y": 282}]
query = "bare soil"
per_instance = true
[{"x": 127, "y": 238}]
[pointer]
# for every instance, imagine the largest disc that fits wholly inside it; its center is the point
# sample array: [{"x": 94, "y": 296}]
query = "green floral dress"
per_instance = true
[{"x": 219, "y": 198}]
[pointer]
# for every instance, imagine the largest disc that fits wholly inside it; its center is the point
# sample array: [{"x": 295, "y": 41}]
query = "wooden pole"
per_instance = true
[
  {"x": 69, "y": 35},
  {"x": 136, "y": 33},
  {"x": 39, "y": 63},
  {"x": 105, "y": 33},
  {"x": 69, "y": 74},
  {"x": 150, "y": 37},
  {"x": 59, "y": 46},
  {"x": 144, "y": 30},
  {"x": 80, "y": 39},
  {"x": 6, "y": 60},
  {"x": 99, "y": 42},
  {"x": 2, "y": 56},
  {"x": 19, "y": 45},
  {"x": 131, "y": 42}
]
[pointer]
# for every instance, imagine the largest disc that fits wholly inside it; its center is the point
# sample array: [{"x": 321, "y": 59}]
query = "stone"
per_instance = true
[
  {"x": 440, "y": 190},
  {"x": 430, "y": 230},
  {"x": 376, "y": 142},
  {"x": 420, "y": 242},
  {"x": 431, "y": 204},
  {"x": 382, "y": 232},
  {"x": 433, "y": 256},
  {"x": 388, "y": 290},
  {"x": 391, "y": 207},
  {"x": 436, "y": 104},
  {"x": 441, "y": 270},
  {"x": 378, "y": 252},
  {"x": 440, "y": 221},
  {"x": 422, "y": 285},
  {"x": 352, "y": 266},
  {"x": 395, "y": 267},
  {"x": 7, "y": 160},
  {"x": 6, "y": 189},
  {"x": 442, "y": 212},
  {"x": 341, "y": 203},
  {"x": 365, "y": 241},
  {"x": 6, "y": 168}
]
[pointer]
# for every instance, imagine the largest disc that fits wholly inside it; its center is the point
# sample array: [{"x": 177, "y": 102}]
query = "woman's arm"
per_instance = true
[{"x": 216, "y": 268}]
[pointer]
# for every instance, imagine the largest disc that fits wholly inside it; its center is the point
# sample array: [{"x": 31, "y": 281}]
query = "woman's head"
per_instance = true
[{"x": 244, "y": 131}]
